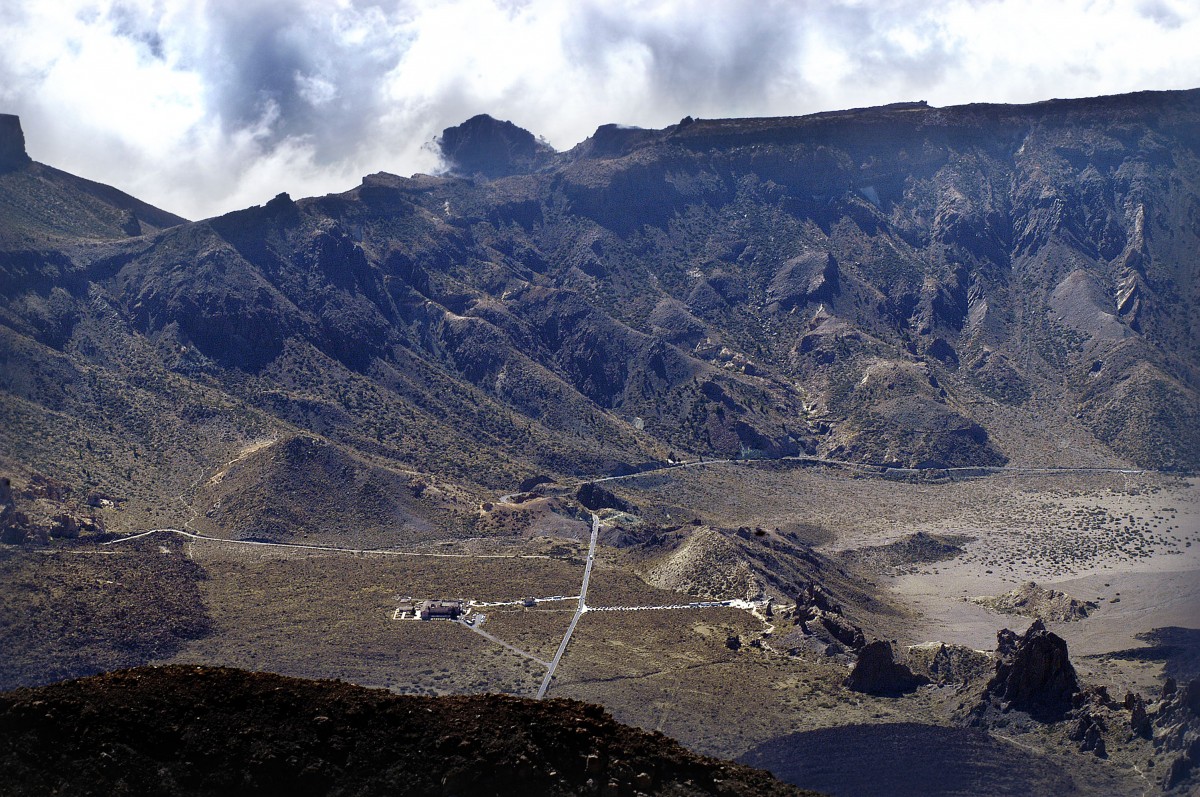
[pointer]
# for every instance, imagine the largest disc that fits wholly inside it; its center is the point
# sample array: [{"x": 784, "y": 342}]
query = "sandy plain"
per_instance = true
[{"x": 1133, "y": 549}]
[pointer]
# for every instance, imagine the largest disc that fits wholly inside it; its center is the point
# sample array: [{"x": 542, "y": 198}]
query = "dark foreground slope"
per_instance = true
[{"x": 192, "y": 730}]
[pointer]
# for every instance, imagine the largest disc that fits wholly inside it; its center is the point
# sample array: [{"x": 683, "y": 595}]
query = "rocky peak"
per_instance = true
[
  {"x": 613, "y": 140},
  {"x": 1033, "y": 672},
  {"x": 12, "y": 143},
  {"x": 487, "y": 146}
]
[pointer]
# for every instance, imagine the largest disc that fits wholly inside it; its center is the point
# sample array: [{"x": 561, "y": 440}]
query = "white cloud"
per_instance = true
[{"x": 203, "y": 106}]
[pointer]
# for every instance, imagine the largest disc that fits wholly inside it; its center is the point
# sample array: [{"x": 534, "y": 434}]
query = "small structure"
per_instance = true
[
  {"x": 529, "y": 602},
  {"x": 406, "y": 608},
  {"x": 441, "y": 610}
]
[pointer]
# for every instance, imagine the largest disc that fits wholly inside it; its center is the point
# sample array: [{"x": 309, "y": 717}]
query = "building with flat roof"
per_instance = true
[{"x": 441, "y": 610}]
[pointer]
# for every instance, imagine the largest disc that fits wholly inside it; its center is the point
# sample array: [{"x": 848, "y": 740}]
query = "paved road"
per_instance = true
[
  {"x": 876, "y": 467},
  {"x": 521, "y": 602},
  {"x": 579, "y": 610},
  {"x": 330, "y": 548},
  {"x": 669, "y": 606}
]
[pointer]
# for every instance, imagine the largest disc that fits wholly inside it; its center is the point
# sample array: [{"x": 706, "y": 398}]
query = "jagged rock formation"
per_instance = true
[
  {"x": 1032, "y": 600},
  {"x": 43, "y": 513},
  {"x": 821, "y": 621},
  {"x": 1090, "y": 720},
  {"x": 877, "y": 672},
  {"x": 199, "y": 730},
  {"x": 1173, "y": 724},
  {"x": 1033, "y": 673}
]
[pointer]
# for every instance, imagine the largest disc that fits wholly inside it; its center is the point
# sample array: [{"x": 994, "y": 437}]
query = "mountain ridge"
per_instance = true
[
  {"x": 42, "y": 206},
  {"x": 904, "y": 285}
]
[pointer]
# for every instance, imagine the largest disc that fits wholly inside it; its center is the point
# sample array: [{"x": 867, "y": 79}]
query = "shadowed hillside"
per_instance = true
[{"x": 199, "y": 730}]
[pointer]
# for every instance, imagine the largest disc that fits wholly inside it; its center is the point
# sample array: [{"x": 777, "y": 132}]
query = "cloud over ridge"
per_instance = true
[{"x": 204, "y": 106}]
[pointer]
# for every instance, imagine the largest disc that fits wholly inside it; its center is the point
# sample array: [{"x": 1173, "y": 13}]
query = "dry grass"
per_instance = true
[{"x": 330, "y": 615}]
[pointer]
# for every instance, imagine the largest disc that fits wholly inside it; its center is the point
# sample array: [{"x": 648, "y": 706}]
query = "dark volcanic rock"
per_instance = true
[
  {"x": 12, "y": 143},
  {"x": 124, "y": 610},
  {"x": 1176, "y": 732},
  {"x": 594, "y": 497},
  {"x": 878, "y": 673},
  {"x": 198, "y": 730},
  {"x": 1033, "y": 673},
  {"x": 483, "y": 145},
  {"x": 918, "y": 548}
]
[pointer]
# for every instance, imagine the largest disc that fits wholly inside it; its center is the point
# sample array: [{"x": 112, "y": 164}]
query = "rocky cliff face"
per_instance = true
[
  {"x": 908, "y": 286},
  {"x": 12, "y": 143}
]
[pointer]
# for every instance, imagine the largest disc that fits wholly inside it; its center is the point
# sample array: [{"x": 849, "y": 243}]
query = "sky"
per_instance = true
[{"x": 206, "y": 106}]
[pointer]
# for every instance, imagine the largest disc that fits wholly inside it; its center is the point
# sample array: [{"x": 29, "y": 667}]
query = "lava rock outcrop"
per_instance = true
[
  {"x": 1174, "y": 723},
  {"x": 593, "y": 497},
  {"x": 878, "y": 673},
  {"x": 12, "y": 143},
  {"x": 1033, "y": 673}
]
